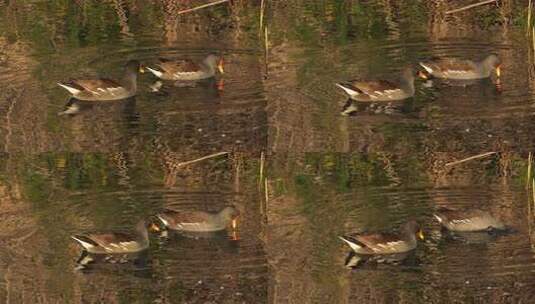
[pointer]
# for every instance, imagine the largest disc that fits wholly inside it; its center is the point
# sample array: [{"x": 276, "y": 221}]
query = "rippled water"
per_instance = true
[{"x": 299, "y": 171}]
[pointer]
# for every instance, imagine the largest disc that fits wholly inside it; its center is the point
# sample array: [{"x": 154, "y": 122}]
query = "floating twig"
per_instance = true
[
  {"x": 202, "y": 6},
  {"x": 200, "y": 159},
  {"x": 470, "y": 6},
  {"x": 469, "y": 158}
]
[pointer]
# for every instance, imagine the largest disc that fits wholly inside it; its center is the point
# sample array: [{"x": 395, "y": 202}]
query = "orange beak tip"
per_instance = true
[
  {"x": 154, "y": 227},
  {"x": 421, "y": 235},
  {"x": 220, "y": 66},
  {"x": 422, "y": 75}
]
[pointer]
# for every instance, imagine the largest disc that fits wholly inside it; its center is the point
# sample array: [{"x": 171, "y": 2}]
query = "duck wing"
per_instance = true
[
  {"x": 378, "y": 242},
  {"x": 179, "y": 66},
  {"x": 374, "y": 87},
  {"x": 106, "y": 239},
  {"x": 95, "y": 85},
  {"x": 172, "y": 217},
  {"x": 111, "y": 241},
  {"x": 451, "y": 65},
  {"x": 460, "y": 216}
]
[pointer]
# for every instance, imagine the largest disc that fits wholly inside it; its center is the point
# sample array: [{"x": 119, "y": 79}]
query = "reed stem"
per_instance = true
[
  {"x": 266, "y": 48},
  {"x": 533, "y": 192},
  {"x": 266, "y": 191},
  {"x": 200, "y": 159},
  {"x": 528, "y": 25},
  {"x": 470, "y": 6},
  {"x": 261, "y": 173},
  {"x": 528, "y": 177},
  {"x": 533, "y": 38},
  {"x": 262, "y": 9},
  {"x": 202, "y": 6},
  {"x": 470, "y": 158},
  {"x": 530, "y": 213}
]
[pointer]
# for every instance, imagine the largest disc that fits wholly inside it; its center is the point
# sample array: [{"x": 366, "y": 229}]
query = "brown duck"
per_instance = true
[
  {"x": 380, "y": 90},
  {"x": 199, "y": 221},
  {"x": 461, "y": 69},
  {"x": 117, "y": 242},
  {"x": 386, "y": 243},
  {"x": 468, "y": 220},
  {"x": 188, "y": 70},
  {"x": 104, "y": 89}
]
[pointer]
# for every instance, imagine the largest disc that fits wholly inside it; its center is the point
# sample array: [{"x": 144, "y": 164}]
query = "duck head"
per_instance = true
[
  {"x": 492, "y": 62},
  {"x": 134, "y": 66},
  {"x": 230, "y": 214},
  {"x": 215, "y": 61},
  {"x": 413, "y": 228}
]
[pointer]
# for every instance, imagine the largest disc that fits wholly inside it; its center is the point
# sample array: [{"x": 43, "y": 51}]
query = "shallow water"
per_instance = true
[{"x": 299, "y": 171}]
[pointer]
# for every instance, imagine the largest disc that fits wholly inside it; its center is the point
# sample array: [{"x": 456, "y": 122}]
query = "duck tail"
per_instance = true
[
  {"x": 155, "y": 72},
  {"x": 349, "y": 241},
  {"x": 438, "y": 217},
  {"x": 426, "y": 67},
  {"x": 348, "y": 88},
  {"x": 162, "y": 219},
  {"x": 69, "y": 88},
  {"x": 84, "y": 241}
]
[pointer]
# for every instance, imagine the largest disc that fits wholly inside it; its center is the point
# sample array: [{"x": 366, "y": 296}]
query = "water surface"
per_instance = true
[{"x": 299, "y": 171}]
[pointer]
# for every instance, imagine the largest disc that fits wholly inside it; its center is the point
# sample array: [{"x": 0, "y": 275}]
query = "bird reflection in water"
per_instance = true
[
  {"x": 352, "y": 108},
  {"x": 89, "y": 261},
  {"x": 355, "y": 261}
]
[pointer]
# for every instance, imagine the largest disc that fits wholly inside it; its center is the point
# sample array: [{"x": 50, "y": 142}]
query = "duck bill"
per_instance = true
[
  {"x": 154, "y": 228},
  {"x": 422, "y": 75},
  {"x": 234, "y": 224},
  {"x": 498, "y": 71},
  {"x": 220, "y": 67},
  {"x": 141, "y": 69},
  {"x": 420, "y": 235}
]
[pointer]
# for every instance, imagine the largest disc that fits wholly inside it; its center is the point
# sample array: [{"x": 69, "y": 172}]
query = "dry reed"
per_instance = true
[
  {"x": 201, "y": 6},
  {"x": 470, "y": 158}
]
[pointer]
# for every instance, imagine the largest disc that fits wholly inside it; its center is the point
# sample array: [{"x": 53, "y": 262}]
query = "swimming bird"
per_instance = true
[
  {"x": 380, "y": 90},
  {"x": 103, "y": 89},
  {"x": 469, "y": 220},
  {"x": 462, "y": 69},
  {"x": 199, "y": 221},
  {"x": 188, "y": 70},
  {"x": 386, "y": 243},
  {"x": 117, "y": 242}
]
